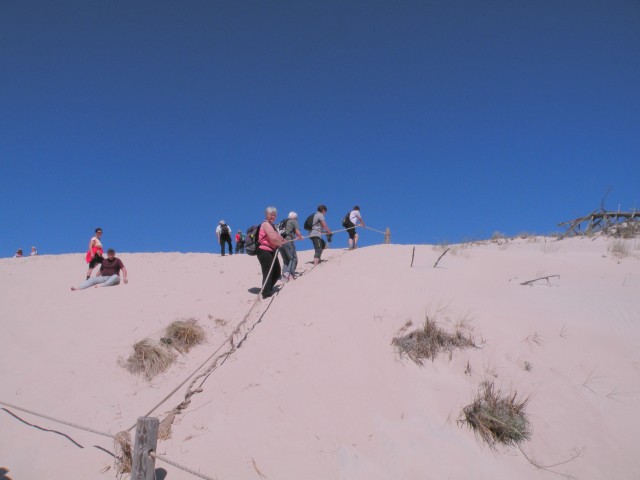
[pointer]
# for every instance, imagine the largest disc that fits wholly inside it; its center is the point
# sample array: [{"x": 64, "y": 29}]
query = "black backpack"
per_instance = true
[
  {"x": 308, "y": 223},
  {"x": 346, "y": 221},
  {"x": 224, "y": 230},
  {"x": 282, "y": 227},
  {"x": 251, "y": 240}
]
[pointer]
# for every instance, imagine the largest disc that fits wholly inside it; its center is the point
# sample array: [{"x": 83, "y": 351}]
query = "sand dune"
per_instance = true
[{"x": 317, "y": 391}]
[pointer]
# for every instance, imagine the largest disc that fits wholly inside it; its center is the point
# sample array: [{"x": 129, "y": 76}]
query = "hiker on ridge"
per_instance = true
[
  {"x": 319, "y": 225},
  {"x": 355, "y": 220},
  {"x": 240, "y": 239},
  {"x": 269, "y": 240},
  {"x": 223, "y": 232},
  {"x": 288, "y": 249},
  {"x": 94, "y": 253}
]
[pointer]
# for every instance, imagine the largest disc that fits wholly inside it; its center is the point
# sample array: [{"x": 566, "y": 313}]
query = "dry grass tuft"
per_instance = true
[
  {"x": 184, "y": 334},
  {"x": 430, "y": 340},
  {"x": 619, "y": 248},
  {"x": 497, "y": 418},
  {"x": 149, "y": 359}
]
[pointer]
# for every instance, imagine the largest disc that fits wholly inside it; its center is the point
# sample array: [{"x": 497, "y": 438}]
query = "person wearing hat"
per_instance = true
[
  {"x": 240, "y": 239},
  {"x": 223, "y": 232}
]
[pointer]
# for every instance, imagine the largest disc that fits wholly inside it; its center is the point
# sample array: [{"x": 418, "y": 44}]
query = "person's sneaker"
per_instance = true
[{"x": 266, "y": 294}]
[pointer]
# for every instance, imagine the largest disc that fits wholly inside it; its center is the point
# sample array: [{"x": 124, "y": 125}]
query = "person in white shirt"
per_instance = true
[
  {"x": 223, "y": 232},
  {"x": 356, "y": 221}
]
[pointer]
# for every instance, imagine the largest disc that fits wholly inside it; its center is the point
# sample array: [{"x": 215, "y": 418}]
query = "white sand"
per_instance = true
[{"x": 317, "y": 391}]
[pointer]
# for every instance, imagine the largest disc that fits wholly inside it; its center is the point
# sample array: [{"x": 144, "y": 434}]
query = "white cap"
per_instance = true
[{"x": 222, "y": 222}]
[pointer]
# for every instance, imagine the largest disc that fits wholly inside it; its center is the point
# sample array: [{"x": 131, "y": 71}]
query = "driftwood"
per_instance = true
[
  {"x": 412, "y": 255},
  {"x": 530, "y": 282},
  {"x": 436, "y": 264},
  {"x": 618, "y": 224}
]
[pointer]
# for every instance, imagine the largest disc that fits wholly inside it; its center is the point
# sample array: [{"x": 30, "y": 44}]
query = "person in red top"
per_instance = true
[
  {"x": 94, "y": 254},
  {"x": 109, "y": 273},
  {"x": 269, "y": 240}
]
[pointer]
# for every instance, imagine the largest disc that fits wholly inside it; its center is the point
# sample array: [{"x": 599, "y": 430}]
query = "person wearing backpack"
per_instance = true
[
  {"x": 354, "y": 220},
  {"x": 290, "y": 232},
  {"x": 318, "y": 226},
  {"x": 223, "y": 232},
  {"x": 269, "y": 240},
  {"x": 240, "y": 239}
]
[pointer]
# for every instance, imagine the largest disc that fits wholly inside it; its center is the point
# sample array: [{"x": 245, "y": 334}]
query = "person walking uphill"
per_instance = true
[
  {"x": 223, "y": 232},
  {"x": 318, "y": 226},
  {"x": 240, "y": 239},
  {"x": 269, "y": 240},
  {"x": 288, "y": 249},
  {"x": 355, "y": 220}
]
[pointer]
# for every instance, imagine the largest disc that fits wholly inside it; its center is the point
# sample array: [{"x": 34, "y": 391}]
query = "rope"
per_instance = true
[
  {"x": 373, "y": 229},
  {"x": 229, "y": 338},
  {"x": 164, "y": 459},
  {"x": 63, "y": 422}
]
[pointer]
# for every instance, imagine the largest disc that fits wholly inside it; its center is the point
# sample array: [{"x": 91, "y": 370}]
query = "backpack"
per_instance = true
[
  {"x": 224, "y": 230},
  {"x": 308, "y": 223},
  {"x": 242, "y": 237},
  {"x": 346, "y": 221},
  {"x": 282, "y": 227},
  {"x": 251, "y": 242}
]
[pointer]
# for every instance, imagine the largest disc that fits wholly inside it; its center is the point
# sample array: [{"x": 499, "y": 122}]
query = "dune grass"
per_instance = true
[
  {"x": 496, "y": 417},
  {"x": 430, "y": 340},
  {"x": 184, "y": 334},
  {"x": 149, "y": 359}
]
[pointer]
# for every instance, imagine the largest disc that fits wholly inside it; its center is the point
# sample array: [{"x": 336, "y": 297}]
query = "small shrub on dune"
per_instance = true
[
  {"x": 184, "y": 334},
  {"x": 430, "y": 340},
  {"x": 619, "y": 248},
  {"x": 497, "y": 418},
  {"x": 149, "y": 359}
]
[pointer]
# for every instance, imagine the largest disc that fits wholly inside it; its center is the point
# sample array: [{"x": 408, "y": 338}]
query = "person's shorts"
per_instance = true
[
  {"x": 95, "y": 261},
  {"x": 352, "y": 232}
]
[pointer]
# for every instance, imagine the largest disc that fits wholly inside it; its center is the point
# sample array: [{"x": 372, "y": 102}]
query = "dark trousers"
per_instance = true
[
  {"x": 225, "y": 239},
  {"x": 266, "y": 259},
  {"x": 239, "y": 247},
  {"x": 318, "y": 245}
]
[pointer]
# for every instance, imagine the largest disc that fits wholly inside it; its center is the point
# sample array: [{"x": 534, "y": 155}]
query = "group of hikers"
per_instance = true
[
  {"x": 19, "y": 253},
  {"x": 266, "y": 240},
  {"x": 270, "y": 239}
]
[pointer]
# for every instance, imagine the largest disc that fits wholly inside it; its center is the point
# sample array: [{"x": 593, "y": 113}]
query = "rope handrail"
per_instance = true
[
  {"x": 57, "y": 420},
  {"x": 164, "y": 459}
]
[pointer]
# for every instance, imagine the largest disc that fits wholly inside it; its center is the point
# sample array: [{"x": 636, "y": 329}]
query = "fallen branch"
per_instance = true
[
  {"x": 436, "y": 264},
  {"x": 412, "y": 255},
  {"x": 530, "y": 282}
]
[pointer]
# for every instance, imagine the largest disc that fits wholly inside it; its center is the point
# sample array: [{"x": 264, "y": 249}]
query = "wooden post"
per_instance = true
[
  {"x": 143, "y": 466},
  {"x": 387, "y": 236},
  {"x": 412, "y": 255}
]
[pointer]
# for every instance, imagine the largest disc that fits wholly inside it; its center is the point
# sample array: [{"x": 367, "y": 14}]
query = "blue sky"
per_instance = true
[{"x": 443, "y": 120}]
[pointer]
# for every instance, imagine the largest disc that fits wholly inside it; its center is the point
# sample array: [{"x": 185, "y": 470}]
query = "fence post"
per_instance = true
[
  {"x": 387, "y": 236},
  {"x": 142, "y": 464}
]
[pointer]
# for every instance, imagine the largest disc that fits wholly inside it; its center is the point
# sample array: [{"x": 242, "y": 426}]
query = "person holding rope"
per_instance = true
[
  {"x": 269, "y": 241},
  {"x": 319, "y": 225},
  {"x": 288, "y": 250},
  {"x": 355, "y": 220}
]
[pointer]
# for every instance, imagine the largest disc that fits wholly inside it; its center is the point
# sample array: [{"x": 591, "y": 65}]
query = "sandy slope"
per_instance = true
[{"x": 317, "y": 391}]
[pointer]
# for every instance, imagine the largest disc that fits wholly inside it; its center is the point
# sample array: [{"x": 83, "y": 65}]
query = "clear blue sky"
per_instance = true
[{"x": 443, "y": 120}]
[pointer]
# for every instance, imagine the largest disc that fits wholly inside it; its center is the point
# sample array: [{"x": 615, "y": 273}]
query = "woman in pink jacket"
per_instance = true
[{"x": 269, "y": 240}]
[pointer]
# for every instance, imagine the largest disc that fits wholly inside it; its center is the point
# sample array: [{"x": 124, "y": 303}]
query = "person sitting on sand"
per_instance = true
[
  {"x": 18, "y": 253},
  {"x": 94, "y": 254},
  {"x": 109, "y": 273}
]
